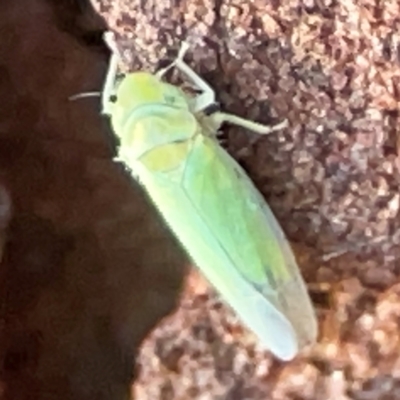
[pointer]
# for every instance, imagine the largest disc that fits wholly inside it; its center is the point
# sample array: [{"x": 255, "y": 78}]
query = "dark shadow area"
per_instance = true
[{"x": 88, "y": 267}]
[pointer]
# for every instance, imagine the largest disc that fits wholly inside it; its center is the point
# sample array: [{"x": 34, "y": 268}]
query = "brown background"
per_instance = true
[{"x": 87, "y": 268}]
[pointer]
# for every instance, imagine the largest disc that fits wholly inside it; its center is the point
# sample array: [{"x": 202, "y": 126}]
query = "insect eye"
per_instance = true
[
  {"x": 212, "y": 108},
  {"x": 113, "y": 98}
]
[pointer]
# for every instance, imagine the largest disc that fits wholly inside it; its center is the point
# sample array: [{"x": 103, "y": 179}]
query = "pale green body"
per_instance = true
[{"x": 214, "y": 209}]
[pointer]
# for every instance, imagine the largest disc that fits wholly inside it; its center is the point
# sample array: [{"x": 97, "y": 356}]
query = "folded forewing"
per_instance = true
[{"x": 245, "y": 228}]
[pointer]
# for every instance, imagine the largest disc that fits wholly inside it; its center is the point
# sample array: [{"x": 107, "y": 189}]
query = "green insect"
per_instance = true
[{"x": 169, "y": 144}]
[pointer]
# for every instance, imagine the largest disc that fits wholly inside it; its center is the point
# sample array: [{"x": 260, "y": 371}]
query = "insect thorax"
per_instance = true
[{"x": 157, "y": 136}]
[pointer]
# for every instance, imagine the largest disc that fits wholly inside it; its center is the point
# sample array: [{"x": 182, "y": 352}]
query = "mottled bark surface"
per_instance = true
[{"x": 332, "y": 178}]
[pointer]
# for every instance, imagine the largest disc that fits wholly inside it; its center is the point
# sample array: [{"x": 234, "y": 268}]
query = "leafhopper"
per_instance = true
[{"x": 169, "y": 144}]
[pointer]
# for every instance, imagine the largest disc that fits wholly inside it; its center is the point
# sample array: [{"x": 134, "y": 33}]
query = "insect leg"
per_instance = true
[
  {"x": 219, "y": 118},
  {"x": 207, "y": 97},
  {"x": 109, "y": 84},
  {"x": 183, "y": 49}
]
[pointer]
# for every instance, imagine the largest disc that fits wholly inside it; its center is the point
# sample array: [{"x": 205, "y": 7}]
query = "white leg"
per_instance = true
[
  {"x": 207, "y": 97},
  {"x": 109, "y": 84},
  {"x": 182, "y": 51},
  {"x": 220, "y": 118}
]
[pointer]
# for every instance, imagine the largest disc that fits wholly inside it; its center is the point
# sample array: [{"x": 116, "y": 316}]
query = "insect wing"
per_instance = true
[
  {"x": 232, "y": 236},
  {"x": 247, "y": 231}
]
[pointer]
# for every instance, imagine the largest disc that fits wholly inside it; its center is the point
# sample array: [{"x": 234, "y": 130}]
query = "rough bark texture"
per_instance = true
[
  {"x": 332, "y": 178},
  {"x": 88, "y": 268}
]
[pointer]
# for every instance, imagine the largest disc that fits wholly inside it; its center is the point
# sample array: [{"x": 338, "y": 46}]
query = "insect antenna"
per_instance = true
[{"x": 83, "y": 95}]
